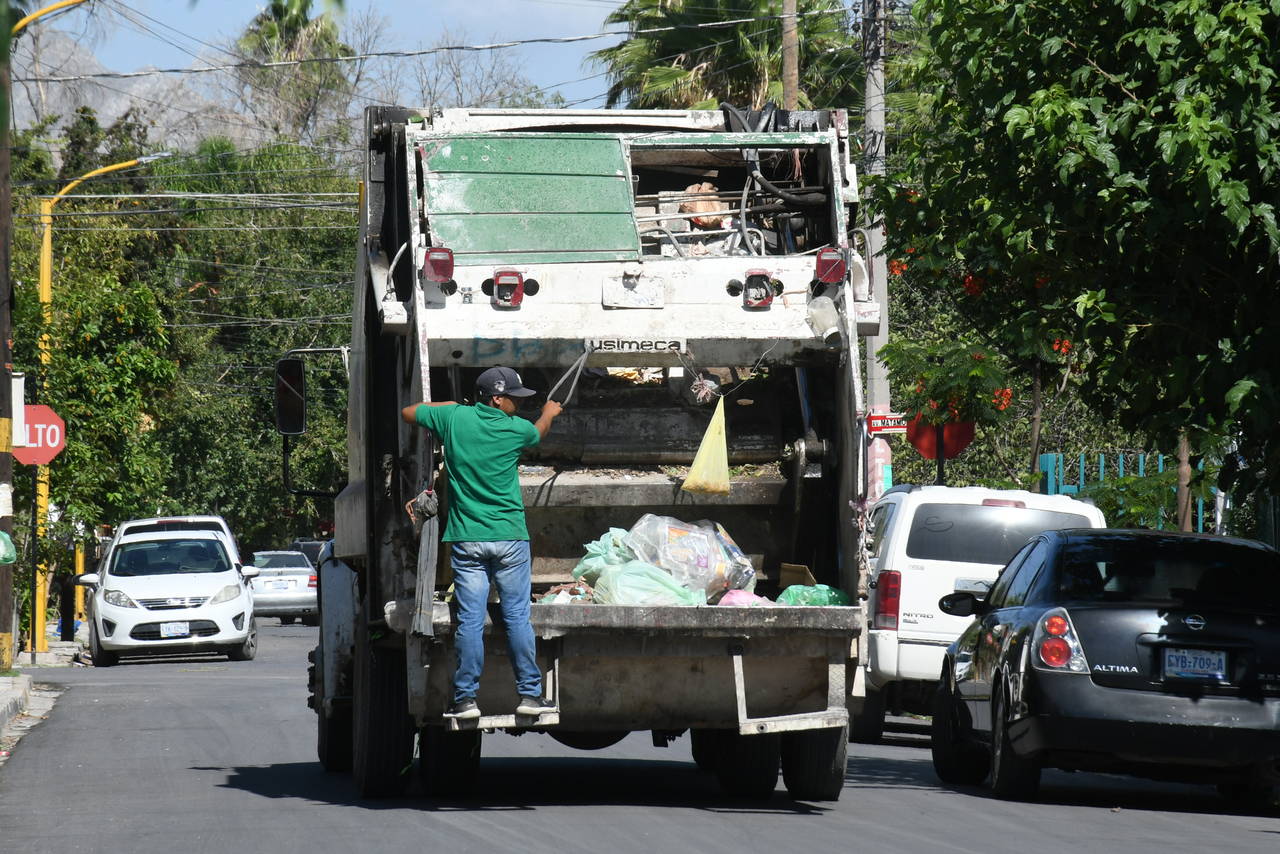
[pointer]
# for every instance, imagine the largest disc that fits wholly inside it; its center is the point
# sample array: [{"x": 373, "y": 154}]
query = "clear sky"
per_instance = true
[{"x": 415, "y": 22}]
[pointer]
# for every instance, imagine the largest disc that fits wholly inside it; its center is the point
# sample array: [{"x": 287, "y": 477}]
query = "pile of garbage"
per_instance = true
[{"x": 664, "y": 561}]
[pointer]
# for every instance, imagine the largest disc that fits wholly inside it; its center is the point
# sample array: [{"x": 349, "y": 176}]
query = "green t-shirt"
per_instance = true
[{"x": 481, "y": 448}]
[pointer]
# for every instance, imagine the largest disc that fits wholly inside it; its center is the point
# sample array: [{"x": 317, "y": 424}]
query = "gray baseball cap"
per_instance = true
[{"x": 502, "y": 381}]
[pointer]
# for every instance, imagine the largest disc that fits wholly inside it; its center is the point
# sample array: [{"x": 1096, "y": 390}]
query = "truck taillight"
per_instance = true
[
  {"x": 760, "y": 289},
  {"x": 831, "y": 266},
  {"x": 508, "y": 288},
  {"x": 888, "y": 594},
  {"x": 439, "y": 265},
  {"x": 311, "y": 582}
]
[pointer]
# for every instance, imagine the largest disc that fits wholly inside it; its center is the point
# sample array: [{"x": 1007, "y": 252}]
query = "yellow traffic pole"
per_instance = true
[{"x": 79, "y": 589}]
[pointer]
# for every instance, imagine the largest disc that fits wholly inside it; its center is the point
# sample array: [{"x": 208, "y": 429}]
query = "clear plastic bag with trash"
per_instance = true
[
  {"x": 689, "y": 552},
  {"x": 640, "y": 583},
  {"x": 818, "y": 595}
]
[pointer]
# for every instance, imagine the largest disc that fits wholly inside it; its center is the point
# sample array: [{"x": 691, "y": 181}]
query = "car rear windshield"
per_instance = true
[
  {"x": 271, "y": 561},
  {"x": 169, "y": 557},
  {"x": 1191, "y": 572},
  {"x": 980, "y": 533},
  {"x": 174, "y": 525}
]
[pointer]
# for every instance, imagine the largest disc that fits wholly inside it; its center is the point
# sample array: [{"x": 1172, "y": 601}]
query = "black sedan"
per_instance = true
[{"x": 1144, "y": 653}]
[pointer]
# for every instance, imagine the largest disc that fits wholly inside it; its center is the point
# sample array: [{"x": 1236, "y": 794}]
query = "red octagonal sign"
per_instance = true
[{"x": 46, "y": 437}]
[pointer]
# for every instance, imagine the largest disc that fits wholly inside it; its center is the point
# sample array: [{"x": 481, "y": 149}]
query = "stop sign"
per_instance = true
[{"x": 46, "y": 437}]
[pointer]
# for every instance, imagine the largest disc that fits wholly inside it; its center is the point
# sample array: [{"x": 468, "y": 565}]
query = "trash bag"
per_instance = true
[
  {"x": 8, "y": 554},
  {"x": 736, "y": 570},
  {"x": 609, "y": 550},
  {"x": 689, "y": 552},
  {"x": 820, "y": 595},
  {"x": 743, "y": 598},
  {"x": 640, "y": 583},
  {"x": 709, "y": 474}
]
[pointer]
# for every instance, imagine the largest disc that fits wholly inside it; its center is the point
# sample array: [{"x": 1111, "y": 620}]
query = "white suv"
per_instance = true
[{"x": 928, "y": 541}]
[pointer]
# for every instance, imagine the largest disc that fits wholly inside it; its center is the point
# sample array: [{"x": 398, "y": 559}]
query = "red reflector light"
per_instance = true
[
  {"x": 439, "y": 264},
  {"x": 1055, "y": 652},
  {"x": 888, "y": 594},
  {"x": 311, "y": 582},
  {"x": 1003, "y": 502},
  {"x": 831, "y": 266},
  {"x": 1056, "y": 625}
]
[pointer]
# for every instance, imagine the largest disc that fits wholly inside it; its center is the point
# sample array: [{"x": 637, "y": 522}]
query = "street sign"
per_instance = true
[
  {"x": 886, "y": 423},
  {"x": 46, "y": 437}
]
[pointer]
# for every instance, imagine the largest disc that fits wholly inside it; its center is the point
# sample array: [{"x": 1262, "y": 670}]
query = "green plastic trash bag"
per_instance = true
[
  {"x": 8, "y": 554},
  {"x": 609, "y": 550},
  {"x": 820, "y": 595},
  {"x": 639, "y": 583}
]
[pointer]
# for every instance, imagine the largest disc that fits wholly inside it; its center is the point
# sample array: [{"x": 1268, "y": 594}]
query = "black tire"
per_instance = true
[
  {"x": 867, "y": 726},
  {"x": 1249, "y": 795},
  {"x": 286, "y": 621},
  {"x": 382, "y": 762},
  {"x": 705, "y": 745},
  {"x": 333, "y": 740},
  {"x": 814, "y": 763},
  {"x": 747, "y": 765},
  {"x": 311, "y": 620},
  {"x": 101, "y": 657},
  {"x": 955, "y": 760},
  {"x": 1013, "y": 778},
  {"x": 449, "y": 762},
  {"x": 248, "y": 650}
]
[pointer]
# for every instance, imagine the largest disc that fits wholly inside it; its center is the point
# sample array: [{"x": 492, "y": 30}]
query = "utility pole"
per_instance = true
[
  {"x": 790, "y": 57},
  {"x": 6, "y": 334},
  {"x": 875, "y": 39}
]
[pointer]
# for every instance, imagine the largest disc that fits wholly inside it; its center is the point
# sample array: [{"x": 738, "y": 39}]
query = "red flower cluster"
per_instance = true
[
  {"x": 1061, "y": 345},
  {"x": 896, "y": 267},
  {"x": 1042, "y": 279},
  {"x": 978, "y": 357},
  {"x": 973, "y": 285},
  {"x": 1002, "y": 398}
]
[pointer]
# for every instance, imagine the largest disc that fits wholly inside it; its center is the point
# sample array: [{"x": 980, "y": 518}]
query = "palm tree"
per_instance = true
[{"x": 683, "y": 56}]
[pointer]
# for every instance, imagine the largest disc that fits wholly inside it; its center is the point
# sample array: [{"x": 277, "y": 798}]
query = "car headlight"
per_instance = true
[
  {"x": 117, "y": 598},
  {"x": 226, "y": 594}
]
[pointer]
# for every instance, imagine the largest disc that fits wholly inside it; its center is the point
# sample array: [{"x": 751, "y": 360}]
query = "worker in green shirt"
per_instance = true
[{"x": 486, "y": 528}]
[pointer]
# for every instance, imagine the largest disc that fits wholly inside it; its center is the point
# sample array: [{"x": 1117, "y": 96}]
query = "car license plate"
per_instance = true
[
  {"x": 279, "y": 585},
  {"x": 175, "y": 630},
  {"x": 1195, "y": 664}
]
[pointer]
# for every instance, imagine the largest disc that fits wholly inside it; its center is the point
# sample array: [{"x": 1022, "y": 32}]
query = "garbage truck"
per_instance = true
[{"x": 698, "y": 259}]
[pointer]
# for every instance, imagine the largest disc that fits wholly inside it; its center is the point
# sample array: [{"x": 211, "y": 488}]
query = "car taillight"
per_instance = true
[
  {"x": 888, "y": 594},
  {"x": 1056, "y": 646},
  {"x": 439, "y": 265},
  {"x": 831, "y": 266},
  {"x": 311, "y": 582},
  {"x": 508, "y": 288}
]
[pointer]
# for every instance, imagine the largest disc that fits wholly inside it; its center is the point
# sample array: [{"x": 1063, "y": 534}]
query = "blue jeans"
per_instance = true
[{"x": 507, "y": 564}]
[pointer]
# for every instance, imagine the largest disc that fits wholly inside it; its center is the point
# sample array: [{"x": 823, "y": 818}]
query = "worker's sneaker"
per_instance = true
[
  {"x": 534, "y": 706},
  {"x": 463, "y": 710}
]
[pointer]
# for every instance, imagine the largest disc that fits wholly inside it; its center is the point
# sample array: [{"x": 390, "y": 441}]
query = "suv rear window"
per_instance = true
[
  {"x": 173, "y": 525},
  {"x": 975, "y": 533},
  {"x": 1196, "y": 573}
]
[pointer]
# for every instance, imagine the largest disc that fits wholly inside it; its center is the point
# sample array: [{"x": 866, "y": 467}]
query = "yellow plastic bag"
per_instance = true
[{"x": 709, "y": 474}]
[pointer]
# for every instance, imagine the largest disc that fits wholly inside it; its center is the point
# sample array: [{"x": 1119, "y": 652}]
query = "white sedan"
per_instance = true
[{"x": 170, "y": 593}]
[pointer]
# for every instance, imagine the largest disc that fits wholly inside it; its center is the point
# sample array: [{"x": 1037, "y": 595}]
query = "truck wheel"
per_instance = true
[
  {"x": 383, "y": 759},
  {"x": 954, "y": 759},
  {"x": 333, "y": 740},
  {"x": 249, "y": 649},
  {"x": 448, "y": 762},
  {"x": 101, "y": 657},
  {"x": 814, "y": 762},
  {"x": 287, "y": 621},
  {"x": 867, "y": 726},
  {"x": 747, "y": 765},
  {"x": 1012, "y": 777},
  {"x": 705, "y": 744}
]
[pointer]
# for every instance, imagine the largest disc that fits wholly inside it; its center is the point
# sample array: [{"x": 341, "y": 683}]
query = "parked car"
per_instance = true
[
  {"x": 285, "y": 587},
  {"x": 183, "y": 523},
  {"x": 1143, "y": 653},
  {"x": 928, "y": 541},
  {"x": 309, "y": 547},
  {"x": 170, "y": 592}
]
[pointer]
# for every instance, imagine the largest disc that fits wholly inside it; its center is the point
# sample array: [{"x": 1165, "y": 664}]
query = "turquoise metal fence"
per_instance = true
[{"x": 1056, "y": 480}]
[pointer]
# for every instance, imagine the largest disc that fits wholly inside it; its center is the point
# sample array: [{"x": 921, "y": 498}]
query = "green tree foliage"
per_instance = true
[
  {"x": 950, "y": 382},
  {"x": 1114, "y": 166},
  {"x": 698, "y": 65}
]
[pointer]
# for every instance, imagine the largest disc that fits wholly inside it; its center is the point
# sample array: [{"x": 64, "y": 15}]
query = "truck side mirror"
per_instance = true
[{"x": 291, "y": 397}]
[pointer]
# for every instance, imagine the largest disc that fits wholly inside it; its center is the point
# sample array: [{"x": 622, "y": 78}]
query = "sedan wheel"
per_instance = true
[
  {"x": 954, "y": 758},
  {"x": 101, "y": 657},
  {"x": 1012, "y": 777},
  {"x": 247, "y": 650}
]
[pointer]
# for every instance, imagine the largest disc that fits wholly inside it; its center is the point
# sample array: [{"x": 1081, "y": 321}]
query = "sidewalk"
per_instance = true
[{"x": 14, "y": 694}]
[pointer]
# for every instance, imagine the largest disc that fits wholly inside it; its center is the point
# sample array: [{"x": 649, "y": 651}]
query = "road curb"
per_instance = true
[{"x": 14, "y": 691}]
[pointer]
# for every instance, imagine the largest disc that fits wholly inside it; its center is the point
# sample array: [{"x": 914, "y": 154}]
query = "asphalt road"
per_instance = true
[{"x": 216, "y": 756}]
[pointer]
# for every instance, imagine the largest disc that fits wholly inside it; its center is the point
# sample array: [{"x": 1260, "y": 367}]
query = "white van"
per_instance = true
[{"x": 928, "y": 541}]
